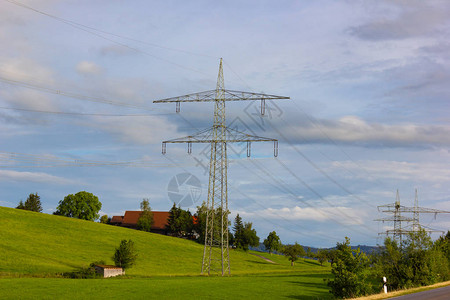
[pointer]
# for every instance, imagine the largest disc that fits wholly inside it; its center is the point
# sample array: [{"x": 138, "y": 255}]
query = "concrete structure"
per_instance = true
[{"x": 109, "y": 270}]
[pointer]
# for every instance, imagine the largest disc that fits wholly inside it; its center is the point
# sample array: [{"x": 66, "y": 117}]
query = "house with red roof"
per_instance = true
[{"x": 131, "y": 217}]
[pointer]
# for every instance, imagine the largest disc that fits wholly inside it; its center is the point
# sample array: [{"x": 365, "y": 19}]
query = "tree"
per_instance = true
[
  {"x": 33, "y": 203},
  {"x": 145, "y": 221},
  {"x": 250, "y": 238},
  {"x": 272, "y": 242},
  {"x": 200, "y": 222},
  {"x": 125, "y": 255},
  {"x": 293, "y": 252},
  {"x": 321, "y": 256},
  {"x": 309, "y": 253},
  {"x": 348, "y": 270},
  {"x": 238, "y": 228},
  {"x": 244, "y": 234},
  {"x": 417, "y": 261},
  {"x": 180, "y": 222},
  {"x": 82, "y": 205},
  {"x": 105, "y": 220}
]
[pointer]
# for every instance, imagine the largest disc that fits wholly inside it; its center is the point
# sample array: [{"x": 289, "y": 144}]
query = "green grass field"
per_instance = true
[{"x": 35, "y": 247}]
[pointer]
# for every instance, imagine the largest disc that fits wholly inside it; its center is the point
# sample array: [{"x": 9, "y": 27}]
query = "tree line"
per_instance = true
[{"x": 416, "y": 261}]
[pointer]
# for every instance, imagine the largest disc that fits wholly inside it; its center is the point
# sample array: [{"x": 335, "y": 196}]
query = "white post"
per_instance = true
[{"x": 384, "y": 285}]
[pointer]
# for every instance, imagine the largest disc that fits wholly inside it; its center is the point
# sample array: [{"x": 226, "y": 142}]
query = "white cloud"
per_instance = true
[
  {"x": 354, "y": 130},
  {"x": 87, "y": 67},
  {"x": 16, "y": 176},
  {"x": 426, "y": 172},
  {"x": 404, "y": 19},
  {"x": 345, "y": 215},
  {"x": 139, "y": 130}
]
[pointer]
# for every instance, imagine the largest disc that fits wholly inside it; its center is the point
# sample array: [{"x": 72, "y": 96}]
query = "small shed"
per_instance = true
[{"x": 109, "y": 270}]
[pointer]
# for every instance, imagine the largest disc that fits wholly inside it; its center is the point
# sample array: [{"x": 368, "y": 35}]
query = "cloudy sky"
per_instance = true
[{"x": 369, "y": 111}]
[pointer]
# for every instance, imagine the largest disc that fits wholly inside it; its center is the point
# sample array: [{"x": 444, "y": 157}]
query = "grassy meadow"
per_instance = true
[{"x": 36, "y": 247}]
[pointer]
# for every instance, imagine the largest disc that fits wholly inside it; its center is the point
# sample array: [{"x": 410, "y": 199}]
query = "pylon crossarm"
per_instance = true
[
  {"x": 396, "y": 218},
  {"x": 230, "y": 95},
  {"x": 231, "y": 136}
]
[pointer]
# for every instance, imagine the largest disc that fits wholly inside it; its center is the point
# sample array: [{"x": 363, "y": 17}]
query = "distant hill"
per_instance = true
[{"x": 364, "y": 248}]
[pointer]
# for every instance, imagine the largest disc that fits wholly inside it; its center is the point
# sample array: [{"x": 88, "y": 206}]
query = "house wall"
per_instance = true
[{"x": 112, "y": 272}]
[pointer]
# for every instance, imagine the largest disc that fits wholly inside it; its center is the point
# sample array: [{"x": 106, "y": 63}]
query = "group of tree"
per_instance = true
[
  {"x": 33, "y": 203},
  {"x": 244, "y": 235},
  {"x": 416, "y": 261},
  {"x": 180, "y": 222},
  {"x": 82, "y": 205}
]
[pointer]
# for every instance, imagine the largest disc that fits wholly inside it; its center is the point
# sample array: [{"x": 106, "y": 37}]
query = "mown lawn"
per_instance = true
[{"x": 298, "y": 285}]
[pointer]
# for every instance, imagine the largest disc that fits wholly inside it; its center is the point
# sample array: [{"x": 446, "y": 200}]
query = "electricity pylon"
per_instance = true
[
  {"x": 216, "y": 250},
  {"x": 413, "y": 224}
]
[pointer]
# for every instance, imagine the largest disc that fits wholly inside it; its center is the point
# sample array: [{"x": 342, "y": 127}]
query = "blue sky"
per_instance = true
[{"x": 368, "y": 114}]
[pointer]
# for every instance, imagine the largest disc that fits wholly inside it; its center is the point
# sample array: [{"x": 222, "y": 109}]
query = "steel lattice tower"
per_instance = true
[
  {"x": 413, "y": 224},
  {"x": 216, "y": 251}
]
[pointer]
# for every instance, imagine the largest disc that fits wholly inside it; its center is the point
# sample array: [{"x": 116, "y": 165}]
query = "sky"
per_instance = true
[{"x": 368, "y": 113}]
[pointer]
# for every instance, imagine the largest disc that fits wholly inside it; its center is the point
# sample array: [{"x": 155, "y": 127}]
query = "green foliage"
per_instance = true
[
  {"x": 417, "y": 262},
  {"x": 244, "y": 234},
  {"x": 105, "y": 220},
  {"x": 321, "y": 256},
  {"x": 349, "y": 272},
  {"x": 180, "y": 222},
  {"x": 82, "y": 205},
  {"x": 145, "y": 221},
  {"x": 272, "y": 242},
  {"x": 200, "y": 222},
  {"x": 293, "y": 252},
  {"x": 238, "y": 228},
  {"x": 201, "y": 218},
  {"x": 250, "y": 236},
  {"x": 125, "y": 254},
  {"x": 33, "y": 203},
  {"x": 85, "y": 273}
]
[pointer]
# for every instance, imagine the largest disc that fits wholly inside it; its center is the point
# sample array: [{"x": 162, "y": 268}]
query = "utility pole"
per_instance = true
[
  {"x": 216, "y": 250},
  {"x": 412, "y": 223}
]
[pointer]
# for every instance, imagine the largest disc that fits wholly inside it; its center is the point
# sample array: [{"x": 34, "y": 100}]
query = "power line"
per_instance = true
[
  {"x": 89, "y": 30},
  {"x": 83, "y": 114},
  {"x": 71, "y": 94}
]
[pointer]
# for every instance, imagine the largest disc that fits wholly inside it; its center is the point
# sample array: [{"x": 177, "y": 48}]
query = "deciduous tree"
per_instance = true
[
  {"x": 145, "y": 220},
  {"x": 82, "y": 205},
  {"x": 293, "y": 252},
  {"x": 349, "y": 272},
  {"x": 104, "y": 219},
  {"x": 272, "y": 242},
  {"x": 321, "y": 256}
]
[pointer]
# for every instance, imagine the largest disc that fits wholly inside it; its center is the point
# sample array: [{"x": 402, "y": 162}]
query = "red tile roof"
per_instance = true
[
  {"x": 160, "y": 218},
  {"x": 117, "y": 219},
  {"x": 108, "y": 267}
]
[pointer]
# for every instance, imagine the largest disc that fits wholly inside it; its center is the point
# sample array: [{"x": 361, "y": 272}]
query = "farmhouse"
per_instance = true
[{"x": 130, "y": 219}]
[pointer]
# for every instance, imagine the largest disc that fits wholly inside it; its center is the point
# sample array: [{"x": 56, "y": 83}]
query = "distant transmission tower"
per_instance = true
[
  {"x": 216, "y": 251},
  {"x": 413, "y": 224}
]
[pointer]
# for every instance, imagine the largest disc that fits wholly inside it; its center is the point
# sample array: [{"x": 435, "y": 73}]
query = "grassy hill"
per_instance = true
[
  {"x": 36, "y": 243},
  {"x": 34, "y": 247}
]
